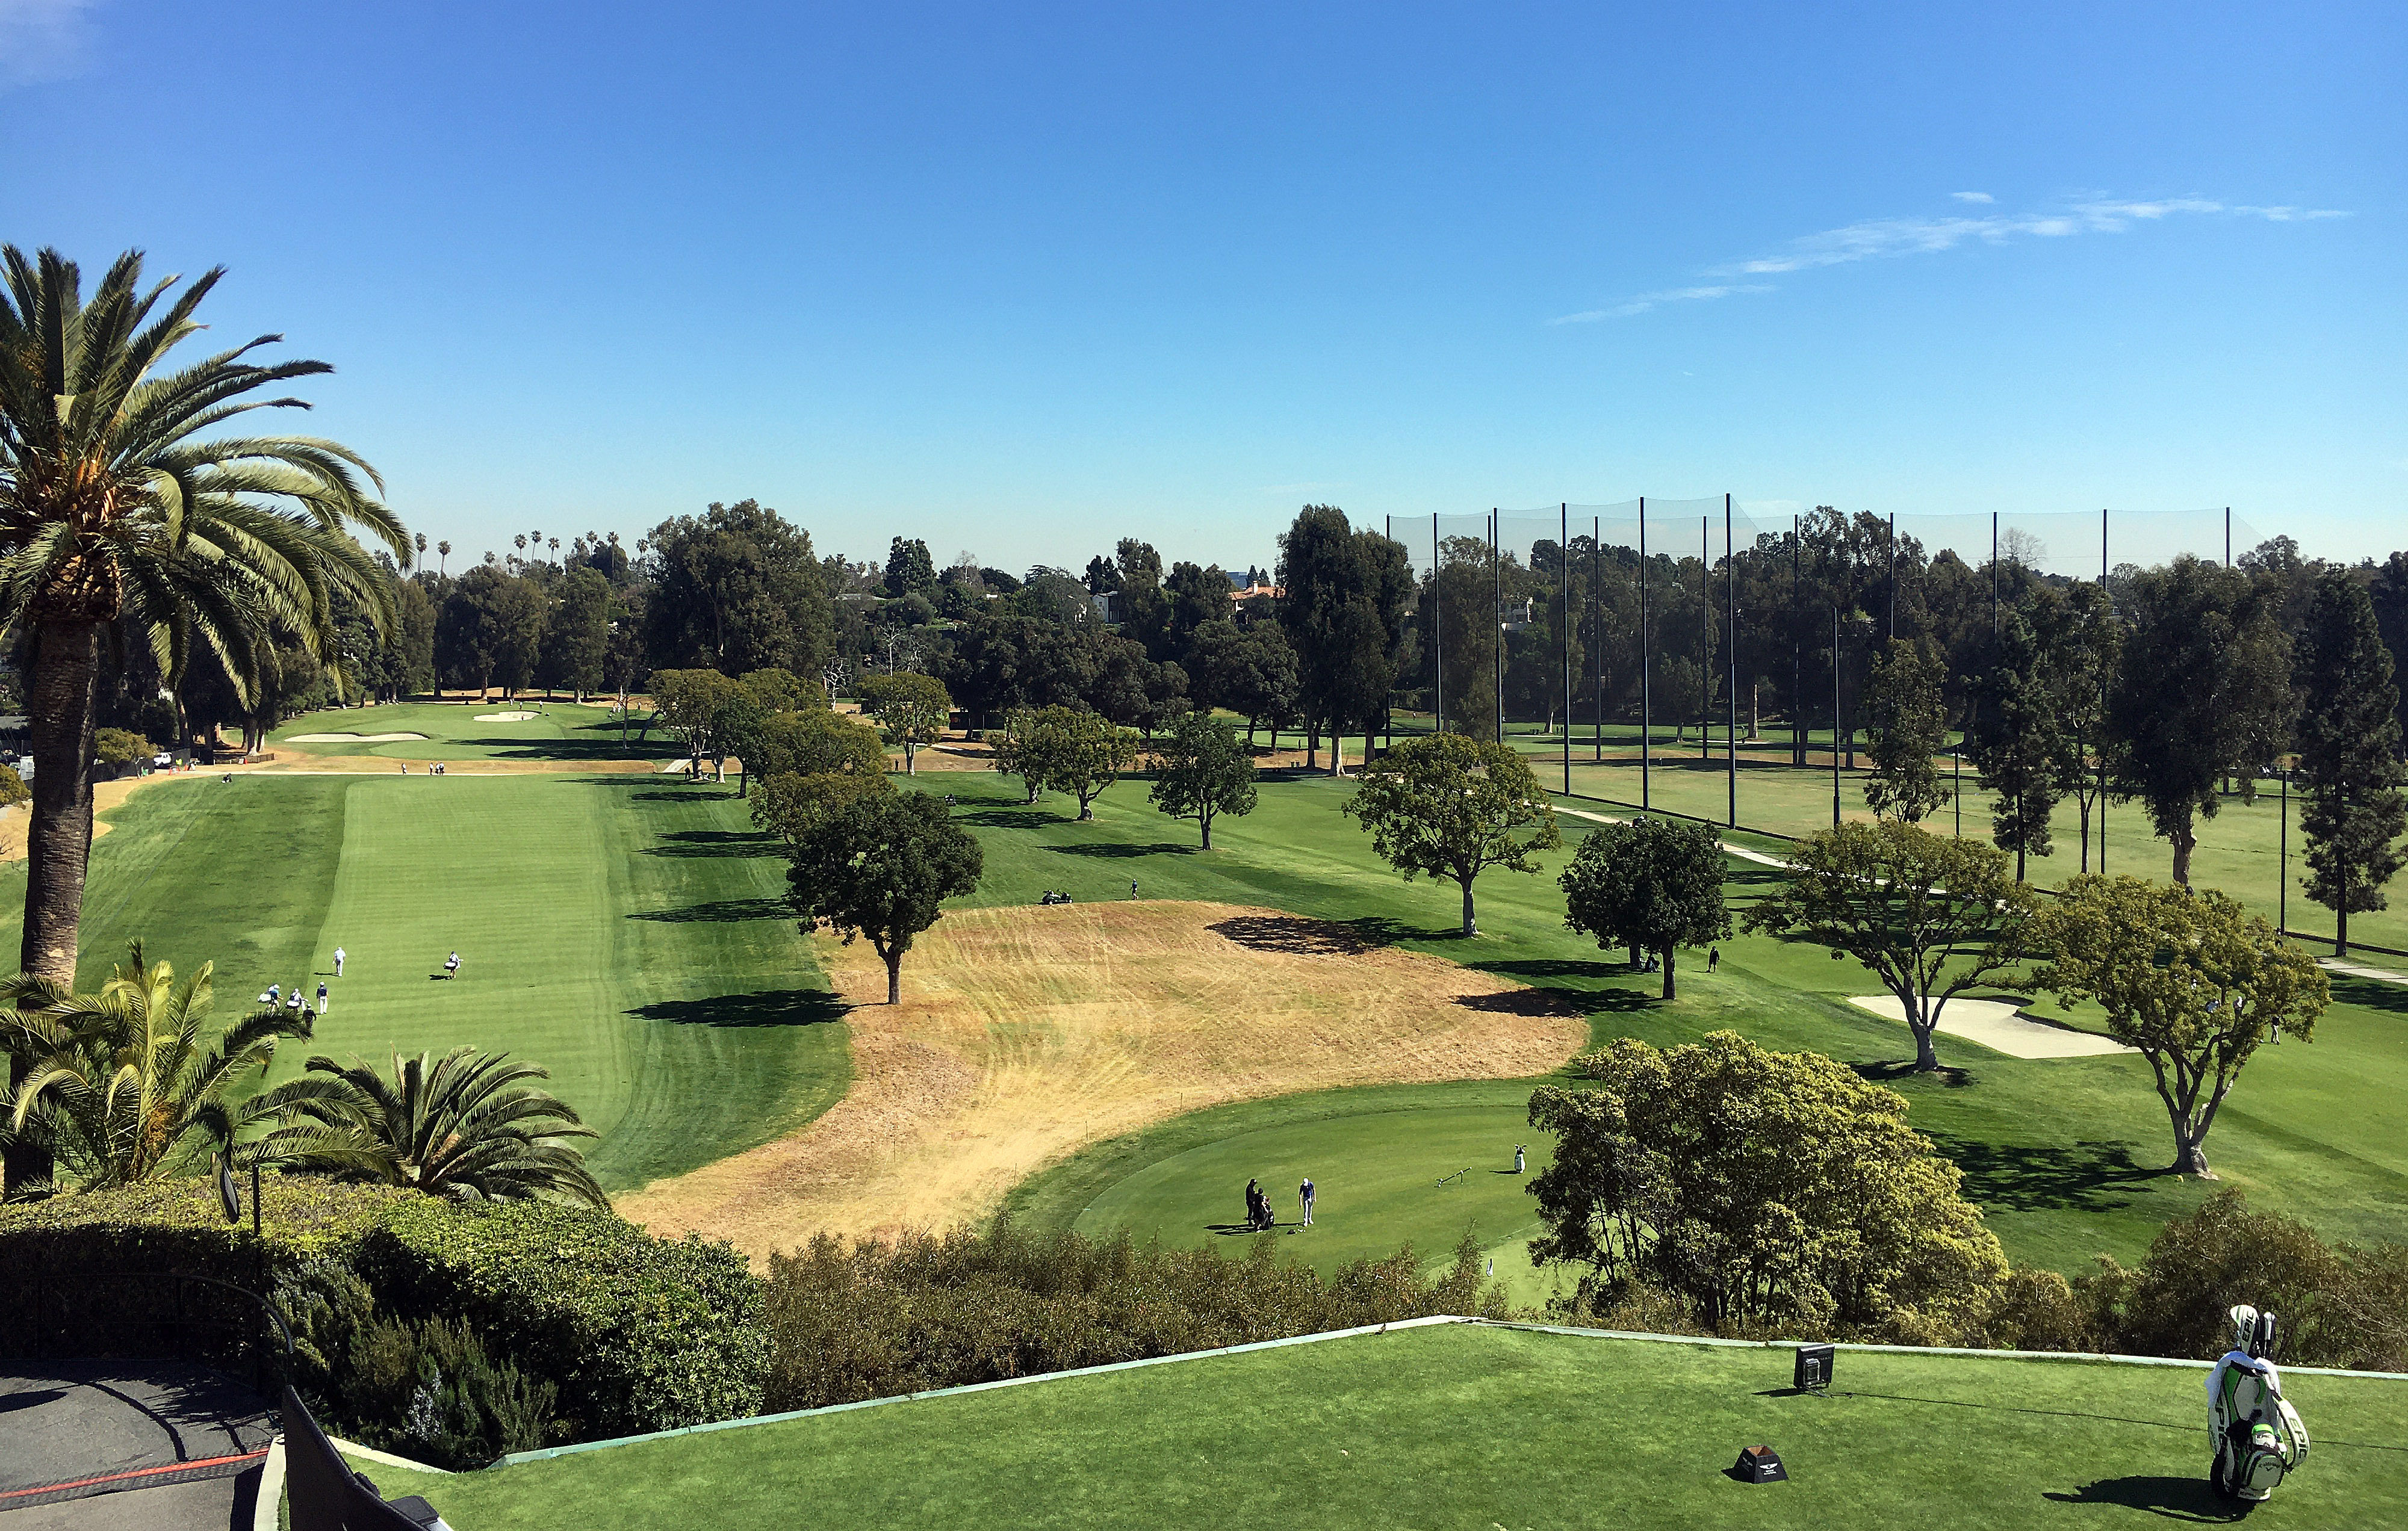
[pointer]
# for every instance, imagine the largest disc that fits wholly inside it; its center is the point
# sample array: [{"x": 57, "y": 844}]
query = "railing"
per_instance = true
[{"x": 152, "y": 1314}]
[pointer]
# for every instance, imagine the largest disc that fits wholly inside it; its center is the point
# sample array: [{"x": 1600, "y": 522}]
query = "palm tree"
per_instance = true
[
  {"x": 111, "y": 508},
  {"x": 465, "y": 1127},
  {"x": 419, "y": 541},
  {"x": 443, "y": 559},
  {"x": 119, "y": 1084}
]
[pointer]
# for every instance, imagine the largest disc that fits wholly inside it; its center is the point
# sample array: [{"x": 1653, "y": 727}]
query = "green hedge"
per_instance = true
[{"x": 639, "y": 1332}]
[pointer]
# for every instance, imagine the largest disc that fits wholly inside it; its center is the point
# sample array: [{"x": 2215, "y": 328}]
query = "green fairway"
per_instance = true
[
  {"x": 1459, "y": 1425},
  {"x": 626, "y": 932},
  {"x": 562, "y": 731},
  {"x": 2063, "y": 1154}
]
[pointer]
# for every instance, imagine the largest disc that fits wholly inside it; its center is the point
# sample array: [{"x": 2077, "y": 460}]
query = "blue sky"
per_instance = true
[{"x": 1022, "y": 279}]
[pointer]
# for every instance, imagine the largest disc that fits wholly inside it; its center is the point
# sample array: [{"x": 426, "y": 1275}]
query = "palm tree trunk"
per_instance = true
[
  {"x": 58, "y": 839},
  {"x": 66, "y": 667}
]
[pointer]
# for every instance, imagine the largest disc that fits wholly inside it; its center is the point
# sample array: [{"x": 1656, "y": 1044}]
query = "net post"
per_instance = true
[
  {"x": 1730, "y": 611},
  {"x": 1564, "y": 628}
]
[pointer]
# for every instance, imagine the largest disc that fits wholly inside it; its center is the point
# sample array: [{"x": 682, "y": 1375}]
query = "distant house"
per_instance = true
[
  {"x": 1246, "y": 586},
  {"x": 1104, "y": 605}
]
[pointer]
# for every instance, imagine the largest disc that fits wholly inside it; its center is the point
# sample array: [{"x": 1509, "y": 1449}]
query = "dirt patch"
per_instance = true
[{"x": 1026, "y": 1033}]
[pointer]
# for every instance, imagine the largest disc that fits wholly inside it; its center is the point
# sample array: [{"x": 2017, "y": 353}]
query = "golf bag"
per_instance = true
[{"x": 2257, "y": 1435}]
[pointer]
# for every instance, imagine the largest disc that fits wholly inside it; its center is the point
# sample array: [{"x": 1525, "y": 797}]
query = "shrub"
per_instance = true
[
  {"x": 120, "y": 747},
  {"x": 428, "y": 1389},
  {"x": 1767, "y": 1189},
  {"x": 932, "y": 1310},
  {"x": 2340, "y": 1304},
  {"x": 640, "y": 1332},
  {"x": 13, "y": 790}
]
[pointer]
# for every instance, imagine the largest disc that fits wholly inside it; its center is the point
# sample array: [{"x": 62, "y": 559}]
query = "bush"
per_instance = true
[
  {"x": 636, "y": 1333},
  {"x": 1768, "y": 1191},
  {"x": 640, "y": 1332},
  {"x": 13, "y": 790},
  {"x": 932, "y": 1310},
  {"x": 2340, "y": 1304},
  {"x": 120, "y": 747}
]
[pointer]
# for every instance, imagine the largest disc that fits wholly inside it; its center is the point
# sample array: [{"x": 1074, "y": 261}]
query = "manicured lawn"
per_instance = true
[
  {"x": 1479, "y": 1427},
  {"x": 626, "y": 932},
  {"x": 2063, "y": 1154},
  {"x": 562, "y": 731}
]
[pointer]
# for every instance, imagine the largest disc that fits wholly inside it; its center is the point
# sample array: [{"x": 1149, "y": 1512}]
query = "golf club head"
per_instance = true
[{"x": 2261, "y": 1340}]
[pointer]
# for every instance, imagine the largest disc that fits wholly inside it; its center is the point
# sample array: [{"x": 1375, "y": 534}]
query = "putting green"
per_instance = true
[
  {"x": 1470, "y": 1426},
  {"x": 560, "y": 731},
  {"x": 625, "y": 932},
  {"x": 1422, "y": 1175}
]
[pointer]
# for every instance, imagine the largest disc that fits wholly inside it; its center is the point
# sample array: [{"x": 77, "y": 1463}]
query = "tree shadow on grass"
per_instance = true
[
  {"x": 1301, "y": 936},
  {"x": 2370, "y": 994},
  {"x": 2192, "y": 1499},
  {"x": 770, "y": 1008},
  {"x": 715, "y": 842},
  {"x": 1901, "y": 1070},
  {"x": 1117, "y": 850},
  {"x": 1016, "y": 816},
  {"x": 720, "y": 910},
  {"x": 1530, "y": 1002},
  {"x": 687, "y": 795},
  {"x": 2035, "y": 1178}
]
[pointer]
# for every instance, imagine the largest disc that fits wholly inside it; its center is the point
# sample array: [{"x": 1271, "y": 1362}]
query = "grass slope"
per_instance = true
[
  {"x": 2063, "y": 1154},
  {"x": 625, "y": 932},
  {"x": 1466, "y": 1427}
]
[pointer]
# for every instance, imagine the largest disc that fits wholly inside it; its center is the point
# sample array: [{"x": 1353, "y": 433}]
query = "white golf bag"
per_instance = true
[{"x": 2258, "y": 1434}]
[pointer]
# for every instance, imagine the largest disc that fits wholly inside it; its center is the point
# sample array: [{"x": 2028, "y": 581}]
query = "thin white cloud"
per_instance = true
[
  {"x": 1882, "y": 238},
  {"x": 43, "y": 39},
  {"x": 1645, "y": 301}
]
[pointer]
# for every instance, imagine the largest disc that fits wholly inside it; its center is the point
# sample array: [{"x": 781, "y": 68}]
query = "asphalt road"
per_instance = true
[{"x": 100, "y": 1445}]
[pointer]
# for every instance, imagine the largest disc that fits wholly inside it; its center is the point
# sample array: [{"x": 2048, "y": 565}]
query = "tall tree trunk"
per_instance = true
[
  {"x": 1670, "y": 993},
  {"x": 1926, "y": 1059},
  {"x": 58, "y": 838},
  {"x": 894, "y": 976},
  {"x": 2185, "y": 840},
  {"x": 1470, "y": 927},
  {"x": 2341, "y": 924},
  {"x": 1337, "y": 752},
  {"x": 1205, "y": 820}
]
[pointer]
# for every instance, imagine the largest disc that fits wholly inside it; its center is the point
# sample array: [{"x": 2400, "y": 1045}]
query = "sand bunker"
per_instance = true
[
  {"x": 1026, "y": 1033},
  {"x": 1996, "y": 1025},
  {"x": 507, "y": 717},
  {"x": 348, "y": 739}
]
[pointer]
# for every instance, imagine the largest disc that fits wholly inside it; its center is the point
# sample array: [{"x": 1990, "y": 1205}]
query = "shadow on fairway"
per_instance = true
[
  {"x": 1018, "y": 816},
  {"x": 1301, "y": 936},
  {"x": 2032, "y": 1177},
  {"x": 688, "y": 795},
  {"x": 1240, "y": 1230},
  {"x": 1891, "y": 1070},
  {"x": 2175, "y": 1498},
  {"x": 714, "y": 842},
  {"x": 721, "y": 911},
  {"x": 2372, "y": 994},
  {"x": 1118, "y": 851},
  {"x": 770, "y": 1008}
]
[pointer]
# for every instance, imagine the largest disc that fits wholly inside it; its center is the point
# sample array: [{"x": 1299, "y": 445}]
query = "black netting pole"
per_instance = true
[
  {"x": 2103, "y": 705},
  {"x": 1597, "y": 629},
  {"x": 1646, "y": 667},
  {"x": 1797, "y": 645},
  {"x": 1564, "y": 627},
  {"x": 1835, "y": 715},
  {"x": 1893, "y": 574},
  {"x": 1705, "y": 638},
  {"x": 1731, "y": 612},
  {"x": 1438, "y": 641},
  {"x": 1496, "y": 614}
]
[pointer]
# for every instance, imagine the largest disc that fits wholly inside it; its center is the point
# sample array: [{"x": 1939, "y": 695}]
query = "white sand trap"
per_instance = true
[
  {"x": 506, "y": 717},
  {"x": 1996, "y": 1025},
  {"x": 348, "y": 739}
]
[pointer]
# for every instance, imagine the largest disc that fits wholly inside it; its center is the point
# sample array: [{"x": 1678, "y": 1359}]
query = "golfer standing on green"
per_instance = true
[{"x": 1304, "y": 1199}]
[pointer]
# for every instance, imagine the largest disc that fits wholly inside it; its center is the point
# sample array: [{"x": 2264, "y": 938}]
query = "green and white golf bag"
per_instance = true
[{"x": 2258, "y": 1434}]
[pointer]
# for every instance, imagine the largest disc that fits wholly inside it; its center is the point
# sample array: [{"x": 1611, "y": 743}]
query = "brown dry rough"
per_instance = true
[{"x": 1026, "y": 1033}]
